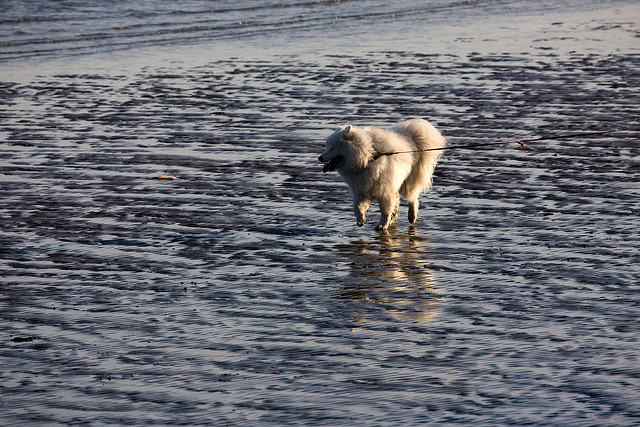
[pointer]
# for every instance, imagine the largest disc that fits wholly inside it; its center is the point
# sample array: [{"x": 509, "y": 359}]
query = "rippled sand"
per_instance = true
[{"x": 242, "y": 292}]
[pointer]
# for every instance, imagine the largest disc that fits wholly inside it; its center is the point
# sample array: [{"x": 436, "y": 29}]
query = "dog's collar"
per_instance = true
[{"x": 377, "y": 155}]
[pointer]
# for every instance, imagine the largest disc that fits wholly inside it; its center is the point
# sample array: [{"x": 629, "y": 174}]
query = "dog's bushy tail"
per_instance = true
[{"x": 425, "y": 136}]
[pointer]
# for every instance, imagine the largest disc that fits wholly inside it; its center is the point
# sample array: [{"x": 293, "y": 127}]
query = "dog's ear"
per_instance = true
[{"x": 346, "y": 131}]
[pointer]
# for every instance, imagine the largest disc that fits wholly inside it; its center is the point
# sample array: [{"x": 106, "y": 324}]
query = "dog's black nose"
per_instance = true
[{"x": 320, "y": 159}]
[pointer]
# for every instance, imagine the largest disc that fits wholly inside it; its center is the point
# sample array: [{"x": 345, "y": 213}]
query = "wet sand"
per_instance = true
[{"x": 242, "y": 292}]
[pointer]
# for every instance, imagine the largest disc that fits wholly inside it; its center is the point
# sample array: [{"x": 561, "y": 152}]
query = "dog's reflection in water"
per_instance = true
[{"x": 390, "y": 278}]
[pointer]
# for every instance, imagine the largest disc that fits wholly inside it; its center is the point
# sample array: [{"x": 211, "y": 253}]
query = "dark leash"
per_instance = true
[{"x": 520, "y": 141}]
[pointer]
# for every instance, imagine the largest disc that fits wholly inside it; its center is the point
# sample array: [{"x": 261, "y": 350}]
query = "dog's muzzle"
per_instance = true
[{"x": 332, "y": 164}]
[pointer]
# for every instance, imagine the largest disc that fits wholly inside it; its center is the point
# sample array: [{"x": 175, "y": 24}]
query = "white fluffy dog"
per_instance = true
[{"x": 357, "y": 153}]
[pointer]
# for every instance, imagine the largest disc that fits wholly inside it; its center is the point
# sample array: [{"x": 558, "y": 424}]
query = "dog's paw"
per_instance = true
[
  {"x": 361, "y": 223},
  {"x": 413, "y": 214}
]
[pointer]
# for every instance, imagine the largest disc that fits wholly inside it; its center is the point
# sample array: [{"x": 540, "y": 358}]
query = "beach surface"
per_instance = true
[{"x": 171, "y": 252}]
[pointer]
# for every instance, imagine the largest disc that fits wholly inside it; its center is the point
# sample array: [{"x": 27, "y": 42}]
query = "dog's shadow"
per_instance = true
[{"x": 390, "y": 279}]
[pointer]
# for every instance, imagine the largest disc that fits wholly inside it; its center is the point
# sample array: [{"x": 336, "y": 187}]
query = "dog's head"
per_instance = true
[
  {"x": 334, "y": 156},
  {"x": 343, "y": 149}
]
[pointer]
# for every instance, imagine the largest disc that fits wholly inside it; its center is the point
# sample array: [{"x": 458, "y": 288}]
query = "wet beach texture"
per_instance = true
[{"x": 243, "y": 293}]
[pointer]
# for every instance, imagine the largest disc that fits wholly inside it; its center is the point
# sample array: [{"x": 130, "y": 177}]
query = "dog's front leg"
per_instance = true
[
  {"x": 360, "y": 207},
  {"x": 388, "y": 211}
]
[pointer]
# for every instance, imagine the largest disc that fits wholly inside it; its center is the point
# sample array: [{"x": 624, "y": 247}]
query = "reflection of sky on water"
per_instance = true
[{"x": 390, "y": 278}]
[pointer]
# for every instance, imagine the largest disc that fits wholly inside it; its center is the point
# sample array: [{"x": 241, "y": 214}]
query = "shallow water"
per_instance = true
[{"x": 242, "y": 292}]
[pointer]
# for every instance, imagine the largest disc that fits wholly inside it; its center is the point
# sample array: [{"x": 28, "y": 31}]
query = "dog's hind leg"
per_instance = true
[
  {"x": 413, "y": 210},
  {"x": 360, "y": 208}
]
